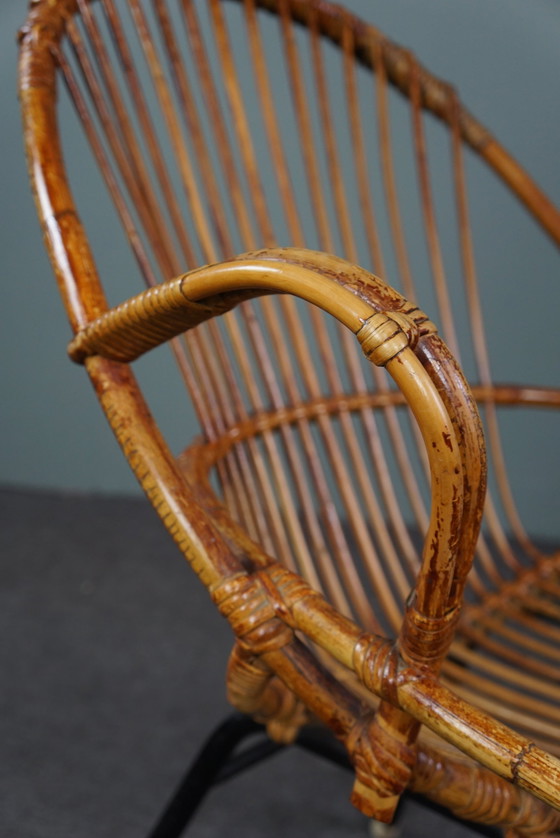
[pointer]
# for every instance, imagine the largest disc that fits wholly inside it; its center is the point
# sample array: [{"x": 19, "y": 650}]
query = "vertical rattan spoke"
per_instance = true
[
  {"x": 105, "y": 167},
  {"x": 241, "y": 123},
  {"x": 359, "y": 155},
  {"x": 305, "y": 128},
  {"x": 478, "y": 334},
  {"x": 388, "y": 170},
  {"x": 130, "y": 135},
  {"x": 274, "y": 134},
  {"x": 428, "y": 215},
  {"x": 172, "y": 123},
  {"x": 190, "y": 113},
  {"x": 136, "y": 180},
  {"x": 221, "y": 137}
]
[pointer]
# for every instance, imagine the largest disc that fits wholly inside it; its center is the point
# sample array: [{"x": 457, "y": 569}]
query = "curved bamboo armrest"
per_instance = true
[
  {"x": 162, "y": 312},
  {"x": 395, "y": 334}
]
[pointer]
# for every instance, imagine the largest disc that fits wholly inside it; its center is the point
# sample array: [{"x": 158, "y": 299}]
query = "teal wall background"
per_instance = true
[{"x": 504, "y": 57}]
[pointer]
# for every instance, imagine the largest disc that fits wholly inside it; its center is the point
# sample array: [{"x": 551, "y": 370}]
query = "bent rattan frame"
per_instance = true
[{"x": 375, "y": 692}]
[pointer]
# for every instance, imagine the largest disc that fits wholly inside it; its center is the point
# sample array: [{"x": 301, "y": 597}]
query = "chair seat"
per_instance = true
[{"x": 506, "y": 656}]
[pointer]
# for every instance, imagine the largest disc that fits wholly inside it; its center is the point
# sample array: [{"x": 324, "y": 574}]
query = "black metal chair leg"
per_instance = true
[
  {"x": 213, "y": 765},
  {"x": 217, "y": 762}
]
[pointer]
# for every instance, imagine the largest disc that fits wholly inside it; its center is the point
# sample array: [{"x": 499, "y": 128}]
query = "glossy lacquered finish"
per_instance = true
[{"x": 436, "y": 674}]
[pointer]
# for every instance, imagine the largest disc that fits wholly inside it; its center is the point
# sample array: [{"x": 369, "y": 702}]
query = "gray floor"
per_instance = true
[{"x": 112, "y": 659}]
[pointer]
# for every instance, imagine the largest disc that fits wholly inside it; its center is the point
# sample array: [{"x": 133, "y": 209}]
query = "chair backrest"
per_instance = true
[{"x": 221, "y": 127}]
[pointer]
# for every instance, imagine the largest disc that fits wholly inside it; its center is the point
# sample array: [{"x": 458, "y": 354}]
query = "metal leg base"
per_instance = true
[
  {"x": 214, "y": 764},
  {"x": 221, "y": 758}
]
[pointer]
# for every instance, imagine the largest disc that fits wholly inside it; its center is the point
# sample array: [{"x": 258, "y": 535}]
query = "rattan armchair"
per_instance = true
[{"x": 331, "y": 507}]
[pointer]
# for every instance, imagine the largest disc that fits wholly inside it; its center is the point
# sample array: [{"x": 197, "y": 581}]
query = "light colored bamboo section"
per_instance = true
[{"x": 338, "y": 491}]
